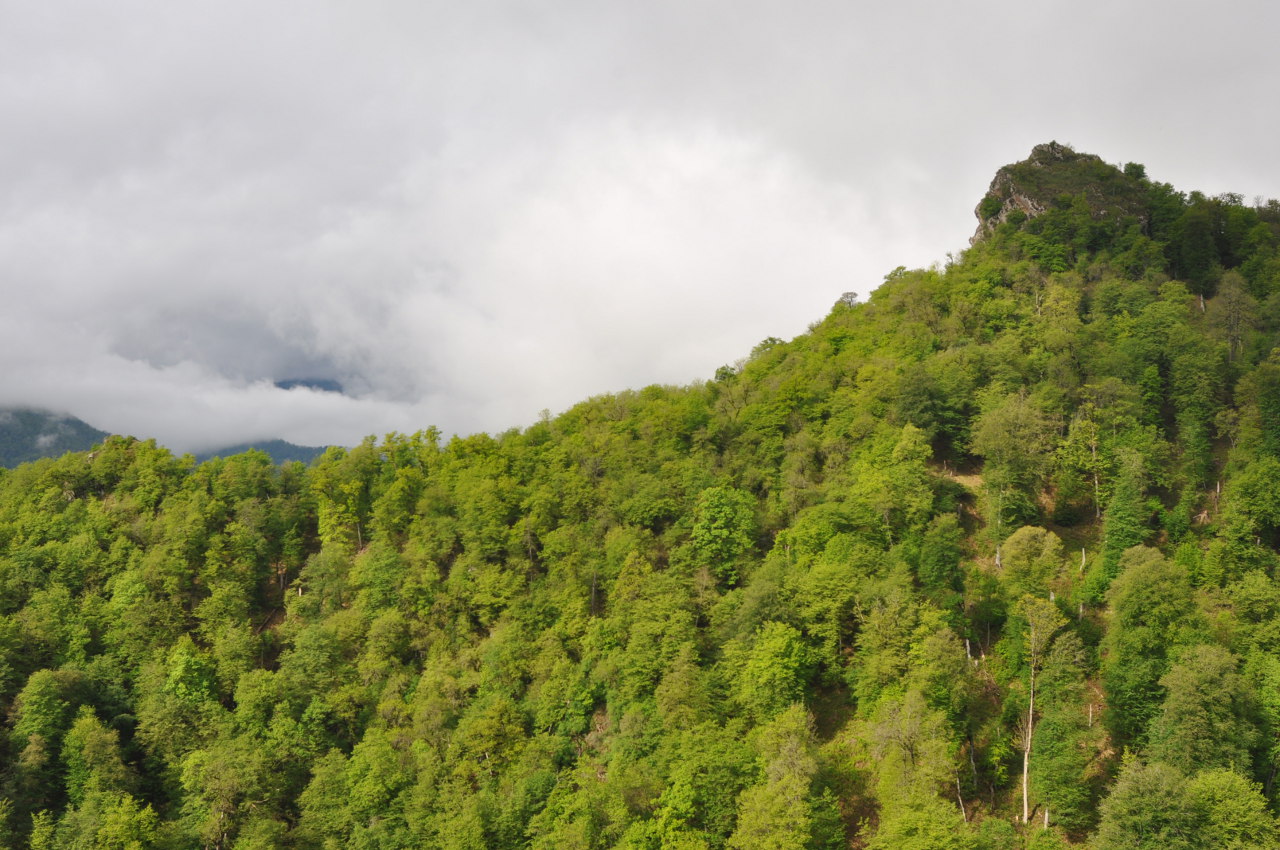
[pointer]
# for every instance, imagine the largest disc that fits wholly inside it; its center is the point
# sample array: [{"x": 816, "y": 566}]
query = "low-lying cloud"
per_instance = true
[{"x": 467, "y": 213}]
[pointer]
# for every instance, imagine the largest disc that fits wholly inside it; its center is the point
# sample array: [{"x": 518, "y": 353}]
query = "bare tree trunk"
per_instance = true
[
  {"x": 959, "y": 797},
  {"x": 973, "y": 767},
  {"x": 1026, "y": 749}
]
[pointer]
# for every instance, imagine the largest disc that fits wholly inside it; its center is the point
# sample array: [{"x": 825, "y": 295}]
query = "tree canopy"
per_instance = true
[{"x": 986, "y": 561}]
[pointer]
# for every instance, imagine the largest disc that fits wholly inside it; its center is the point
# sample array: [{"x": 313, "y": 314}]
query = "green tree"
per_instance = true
[
  {"x": 1208, "y": 718},
  {"x": 780, "y": 813},
  {"x": 926, "y": 823},
  {"x": 1152, "y": 613},
  {"x": 941, "y": 549},
  {"x": 91, "y": 754},
  {"x": 723, "y": 530},
  {"x": 776, "y": 671},
  {"x": 1014, "y": 438},
  {"x": 1154, "y": 806},
  {"x": 1148, "y": 809},
  {"x": 1232, "y": 811},
  {"x": 1031, "y": 559},
  {"x": 1066, "y": 773},
  {"x": 1196, "y": 252},
  {"x": 1125, "y": 522},
  {"x": 1043, "y": 620},
  {"x": 1233, "y": 313},
  {"x": 1082, "y": 453},
  {"x": 915, "y": 756}
]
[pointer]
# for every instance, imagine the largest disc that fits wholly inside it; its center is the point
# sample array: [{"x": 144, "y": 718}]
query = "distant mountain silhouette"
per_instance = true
[
  {"x": 28, "y": 434},
  {"x": 280, "y": 451}
]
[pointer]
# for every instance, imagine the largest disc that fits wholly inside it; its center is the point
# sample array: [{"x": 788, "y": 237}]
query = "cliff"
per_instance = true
[{"x": 1056, "y": 175}]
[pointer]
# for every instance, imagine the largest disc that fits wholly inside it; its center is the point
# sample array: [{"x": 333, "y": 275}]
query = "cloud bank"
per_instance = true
[{"x": 467, "y": 213}]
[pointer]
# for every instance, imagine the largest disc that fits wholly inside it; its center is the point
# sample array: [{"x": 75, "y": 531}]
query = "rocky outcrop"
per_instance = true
[
  {"x": 1028, "y": 188},
  {"x": 1004, "y": 190}
]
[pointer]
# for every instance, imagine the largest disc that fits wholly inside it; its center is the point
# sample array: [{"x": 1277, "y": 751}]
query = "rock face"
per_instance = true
[
  {"x": 1055, "y": 171},
  {"x": 1011, "y": 200}
]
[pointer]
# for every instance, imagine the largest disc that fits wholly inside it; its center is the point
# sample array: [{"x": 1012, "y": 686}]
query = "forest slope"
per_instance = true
[{"x": 985, "y": 562}]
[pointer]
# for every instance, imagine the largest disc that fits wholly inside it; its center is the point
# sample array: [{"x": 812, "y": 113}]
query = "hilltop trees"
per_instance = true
[{"x": 986, "y": 561}]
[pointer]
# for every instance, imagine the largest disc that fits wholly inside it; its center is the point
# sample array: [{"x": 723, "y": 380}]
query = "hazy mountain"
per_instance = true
[
  {"x": 27, "y": 434},
  {"x": 279, "y": 450}
]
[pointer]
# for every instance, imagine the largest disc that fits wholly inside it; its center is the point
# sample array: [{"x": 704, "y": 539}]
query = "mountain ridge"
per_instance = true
[{"x": 28, "y": 434}]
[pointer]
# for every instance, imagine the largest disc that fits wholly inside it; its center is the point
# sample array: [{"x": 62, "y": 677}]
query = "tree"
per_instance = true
[
  {"x": 1155, "y": 807},
  {"x": 91, "y": 753},
  {"x": 1065, "y": 774},
  {"x": 1031, "y": 559},
  {"x": 1043, "y": 620},
  {"x": 1196, "y": 253},
  {"x": 1124, "y": 524},
  {"x": 1014, "y": 438},
  {"x": 43, "y": 711},
  {"x": 1258, "y": 394},
  {"x": 941, "y": 548},
  {"x": 1232, "y": 811},
  {"x": 1148, "y": 809},
  {"x": 1233, "y": 313},
  {"x": 1081, "y": 453},
  {"x": 723, "y": 529},
  {"x": 1208, "y": 719},
  {"x": 111, "y": 821},
  {"x": 776, "y": 671},
  {"x": 927, "y": 824},
  {"x": 892, "y": 483},
  {"x": 1152, "y": 613},
  {"x": 782, "y": 813},
  {"x": 914, "y": 750}
]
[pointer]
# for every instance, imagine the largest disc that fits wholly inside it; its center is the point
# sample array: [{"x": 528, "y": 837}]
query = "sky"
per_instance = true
[{"x": 468, "y": 213}]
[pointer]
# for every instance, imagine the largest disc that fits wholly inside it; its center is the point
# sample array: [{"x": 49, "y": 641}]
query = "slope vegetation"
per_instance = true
[{"x": 985, "y": 562}]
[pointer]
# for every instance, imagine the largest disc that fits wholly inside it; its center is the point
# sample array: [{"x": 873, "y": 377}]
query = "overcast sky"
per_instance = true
[{"x": 468, "y": 212}]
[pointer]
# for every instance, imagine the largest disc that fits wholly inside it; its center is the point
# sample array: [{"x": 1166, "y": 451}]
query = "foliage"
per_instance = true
[{"x": 847, "y": 592}]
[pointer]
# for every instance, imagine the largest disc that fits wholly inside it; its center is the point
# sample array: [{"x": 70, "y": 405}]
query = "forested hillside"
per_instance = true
[
  {"x": 27, "y": 434},
  {"x": 986, "y": 562}
]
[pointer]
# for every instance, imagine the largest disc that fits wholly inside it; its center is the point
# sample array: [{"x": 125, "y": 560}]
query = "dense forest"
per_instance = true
[{"x": 988, "y": 561}]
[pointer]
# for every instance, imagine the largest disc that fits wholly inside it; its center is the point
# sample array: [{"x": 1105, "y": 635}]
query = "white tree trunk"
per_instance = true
[{"x": 1026, "y": 749}]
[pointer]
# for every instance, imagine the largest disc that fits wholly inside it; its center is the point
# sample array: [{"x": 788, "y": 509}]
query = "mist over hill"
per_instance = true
[{"x": 27, "y": 434}]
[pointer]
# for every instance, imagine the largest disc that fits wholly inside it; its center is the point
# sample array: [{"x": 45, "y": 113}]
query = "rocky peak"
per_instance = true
[
  {"x": 1050, "y": 153},
  {"x": 1026, "y": 189}
]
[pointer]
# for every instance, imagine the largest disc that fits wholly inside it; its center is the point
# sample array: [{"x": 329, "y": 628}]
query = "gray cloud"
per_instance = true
[{"x": 465, "y": 213}]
